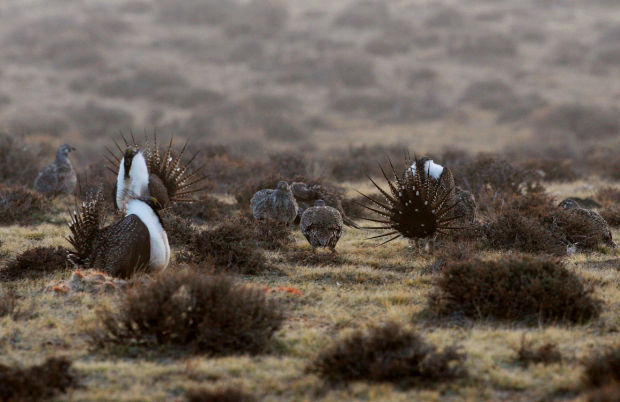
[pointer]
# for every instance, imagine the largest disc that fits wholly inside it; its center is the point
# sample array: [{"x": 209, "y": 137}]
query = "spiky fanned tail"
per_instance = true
[
  {"x": 180, "y": 181},
  {"x": 416, "y": 206},
  {"x": 85, "y": 224}
]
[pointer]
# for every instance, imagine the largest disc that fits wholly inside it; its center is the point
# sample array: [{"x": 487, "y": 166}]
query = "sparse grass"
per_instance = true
[
  {"x": 546, "y": 353},
  {"x": 35, "y": 263},
  {"x": 219, "y": 394}
]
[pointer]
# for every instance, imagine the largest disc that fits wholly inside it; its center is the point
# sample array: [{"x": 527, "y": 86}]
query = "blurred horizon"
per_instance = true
[{"x": 266, "y": 76}]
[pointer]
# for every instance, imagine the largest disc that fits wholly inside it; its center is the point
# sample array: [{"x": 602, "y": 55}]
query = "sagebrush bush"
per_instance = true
[
  {"x": 8, "y": 303},
  {"x": 180, "y": 230},
  {"x": 19, "y": 205},
  {"x": 526, "y": 234},
  {"x": 18, "y": 162},
  {"x": 388, "y": 353},
  {"x": 230, "y": 247},
  {"x": 219, "y": 394},
  {"x": 551, "y": 169},
  {"x": 611, "y": 216},
  {"x": 35, "y": 262},
  {"x": 608, "y": 196},
  {"x": 585, "y": 122},
  {"x": 546, "y": 353},
  {"x": 208, "y": 314},
  {"x": 602, "y": 368},
  {"x": 40, "y": 382},
  {"x": 517, "y": 288}
]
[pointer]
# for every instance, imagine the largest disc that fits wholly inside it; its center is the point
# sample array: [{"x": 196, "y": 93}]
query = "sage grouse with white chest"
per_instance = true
[
  {"x": 135, "y": 243},
  {"x": 149, "y": 172},
  {"x": 277, "y": 205},
  {"x": 419, "y": 203},
  {"x": 59, "y": 177},
  {"x": 321, "y": 225}
]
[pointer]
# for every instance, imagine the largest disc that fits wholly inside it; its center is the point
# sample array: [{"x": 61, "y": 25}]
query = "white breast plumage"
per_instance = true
[
  {"x": 136, "y": 185},
  {"x": 160, "y": 249}
]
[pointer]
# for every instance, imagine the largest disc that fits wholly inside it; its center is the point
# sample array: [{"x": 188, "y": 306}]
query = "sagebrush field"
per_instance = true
[{"x": 519, "y": 99}]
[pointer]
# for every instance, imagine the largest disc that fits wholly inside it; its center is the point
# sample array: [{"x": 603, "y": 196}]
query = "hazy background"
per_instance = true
[{"x": 533, "y": 76}]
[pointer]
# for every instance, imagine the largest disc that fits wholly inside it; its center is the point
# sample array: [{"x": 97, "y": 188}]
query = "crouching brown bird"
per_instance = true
[
  {"x": 275, "y": 205},
  {"x": 306, "y": 195},
  {"x": 135, "y": 243},
  {"x": 322, "y": 226},
  {"x": 59, "y": 177},
  {"x": 419, "y": 203},
  {"x": 593, "y": 229}
]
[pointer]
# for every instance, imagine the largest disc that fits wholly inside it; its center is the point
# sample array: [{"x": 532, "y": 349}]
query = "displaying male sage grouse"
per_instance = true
[
  {"x": 419, "y": 203},
  {"x": 277, "y": 205},
  {"x": 59, "y": 177},
  {"x": 150, "y": 172},
  {"x": 137, "y": 242},
  {"x": 321, "y": 225},
  {"x": 592, "y": 229},
  {"x": 307, "y": 195}
]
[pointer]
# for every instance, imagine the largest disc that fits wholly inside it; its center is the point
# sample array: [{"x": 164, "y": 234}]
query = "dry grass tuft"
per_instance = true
[
  {"x": 608, "y": 196},
  {"x": 611, "y": 215},
  {"x": 8, "y": 304},
  {"x": 207, "y": 314},
  {"x": 19, "y": 205},
  {"x": 603, "y": 368},
  {"x": 219, "y": 394},
  {"x": 35, "y": 262},
  {"x": 388, "y": 353},
  {"x": 306, "y": 257},
  {"x": 518, "y": 288},
  {"x": 45, "y": 381},
  {"x": 547, "y": 353}
]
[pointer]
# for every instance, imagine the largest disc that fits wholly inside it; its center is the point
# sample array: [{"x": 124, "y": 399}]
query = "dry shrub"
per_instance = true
[
  {"x": 607, "y": 393},
  {"x": 354, "y": 71},
  {"x": 207, "y": 314},
  {"x": 289, "y": 164},
  {"x": 488, "y": 171},
  {"x": 388, "y": 353},
  {"x": 608, "y": 196},
  {"x": 526, "y": 234},
  {"x": 306, "y": 257},
  {"x": 611, "y": 215},
  {"x": 278, "y": 127},
  {"x": 19, "y": 205},
  {"x": 516, "y": 288},
  {"x": 551, "y": 169},
  {"x": 604, "y": 161},
  {"x": 93, "y": 119},
  {"x": 205, "y": 209},
  {"x": 244, "y": 191},
  {"x": 8, "y": 304},
  {"x": 366, "y": 14},
  {"x": 36, "y": 262},
  {"x": 490, "y": 95},
  {"x": 52, "y": 377},
  {"x": 547, "y": 353},
  {"x": 354, "y": 163},
  {"x": 18, "y": 161},
  {"x": 235, "y": 245},
  {"x": 585, "y": 122},
  {"x": 179, "y": 230},
  {"x": 219, "y": 394},
  {"x": 602, "y": 368},
  {"x": 481, "y": 47}
]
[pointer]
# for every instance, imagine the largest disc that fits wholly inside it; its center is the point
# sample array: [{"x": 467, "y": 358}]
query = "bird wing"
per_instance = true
[{"x": 47, "y": 180}]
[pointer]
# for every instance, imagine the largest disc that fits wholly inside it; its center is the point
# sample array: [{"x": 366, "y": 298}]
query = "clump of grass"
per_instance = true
[
  {"x": 602, "y": 368},
  {"x": 388, "y": 353},
  {"x": 8, "y": 304},
  {"x": 518, "y": 288},
  {"x": 219, "y": 394},
  {"x": 19, "y": 205},
  {"x": 528, "y": 354},
  {"x": 44, "y": 381},
  {"x": 611, "y": 215},
  {"x": 207, "y": 314},
  {"x": 35, "y": 262}
]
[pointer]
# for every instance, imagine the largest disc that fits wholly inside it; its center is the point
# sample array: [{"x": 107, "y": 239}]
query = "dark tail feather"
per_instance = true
[{"x": 86, "y": 221}]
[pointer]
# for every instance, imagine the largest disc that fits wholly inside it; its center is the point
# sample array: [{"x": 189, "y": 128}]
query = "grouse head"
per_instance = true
[
  {"x": 319, "y": 203},
  {"x": 152, "y": 202},
  {"x": 282, "y": 185},
  {"x": 128, "y": 156},
  {"x": 64, "y": 150}
]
